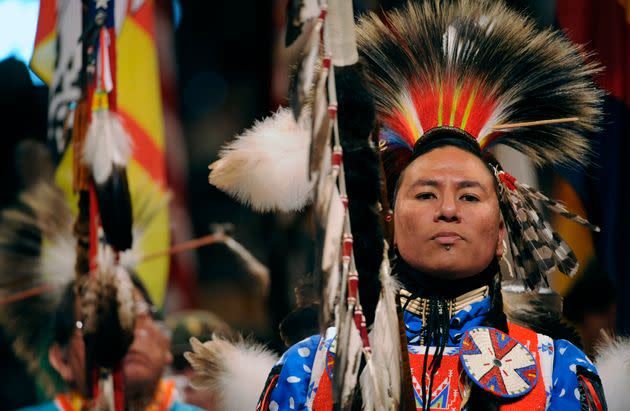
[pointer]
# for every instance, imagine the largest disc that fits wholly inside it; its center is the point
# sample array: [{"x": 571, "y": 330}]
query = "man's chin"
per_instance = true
[
  {"x": 450, "y": 268},
  {"x": 138, "y": 374}
]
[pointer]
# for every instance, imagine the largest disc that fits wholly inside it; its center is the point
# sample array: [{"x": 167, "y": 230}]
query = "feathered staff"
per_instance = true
[
  {"x": 107, "y": 146},
  {"x": 105, "y": 294},
  {"x": 339, "y": 172}
]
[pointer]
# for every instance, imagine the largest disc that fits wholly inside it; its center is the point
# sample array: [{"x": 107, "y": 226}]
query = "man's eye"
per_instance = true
[
  {"x": 469, "y": 197},
  {"x": 425, "y": 196}
]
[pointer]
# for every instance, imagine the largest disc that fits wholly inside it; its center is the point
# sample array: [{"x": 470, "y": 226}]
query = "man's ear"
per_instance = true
[
  {"x": 59, "y": 360},
  {"x": 500, "y": 239}
]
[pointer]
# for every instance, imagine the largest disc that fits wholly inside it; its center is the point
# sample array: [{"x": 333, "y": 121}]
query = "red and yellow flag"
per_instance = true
[{"x": 139, "y": 103}]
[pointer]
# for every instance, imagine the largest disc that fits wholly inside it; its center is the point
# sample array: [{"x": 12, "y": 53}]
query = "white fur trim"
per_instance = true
[
  {"x": 613, "y": 365},
  {"x": 266, "y": 167}
]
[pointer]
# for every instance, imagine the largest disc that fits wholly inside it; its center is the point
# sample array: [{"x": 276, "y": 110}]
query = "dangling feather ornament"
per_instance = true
[
  {"x": 527, "y": 228},
  {"x": 380, "y": 383},
  {"x": 308, "y": 67},
  {"x": 107, "y": 152}
]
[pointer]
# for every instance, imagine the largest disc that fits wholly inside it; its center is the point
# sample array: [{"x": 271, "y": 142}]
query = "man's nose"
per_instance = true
[{"x": 448, "y": 210}]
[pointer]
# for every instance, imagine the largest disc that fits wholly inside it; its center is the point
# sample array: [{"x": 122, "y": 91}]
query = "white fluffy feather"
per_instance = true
[
  {"x": 107, "y": 145},
  {"x": 613, "y": 365},
  {"x": 266, "y": 167},
  {"x": 234, "y": 372}
]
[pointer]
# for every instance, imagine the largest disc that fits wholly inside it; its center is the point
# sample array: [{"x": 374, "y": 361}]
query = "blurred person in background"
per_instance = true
[
  {"x": 46, "y": 327},
  {"x": 143, "y": 365}
]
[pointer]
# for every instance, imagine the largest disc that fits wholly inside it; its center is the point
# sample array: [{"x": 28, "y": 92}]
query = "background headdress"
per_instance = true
[{"x": 37, "y": 257}]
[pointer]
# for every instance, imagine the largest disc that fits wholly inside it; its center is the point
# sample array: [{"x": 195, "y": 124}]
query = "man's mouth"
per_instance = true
[
  {"x": 446, "y": 238},
  {"x": 135, "y": 356}
]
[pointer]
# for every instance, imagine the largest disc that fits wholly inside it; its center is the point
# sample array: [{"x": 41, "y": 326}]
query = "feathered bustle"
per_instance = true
[
  {"x": 266, "y": 167},
  {"x": 235, "y": 372},
  {"x": 540, "y": 311}
]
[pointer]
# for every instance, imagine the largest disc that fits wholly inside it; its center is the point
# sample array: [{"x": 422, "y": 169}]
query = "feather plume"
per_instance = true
[
  {"x": 306, "y": 73},
  {"x": 533, "y": 238},
  {"x": 381, "y": 389},
  {"x": 115, "y": 209},
  {"x": 555, "y": 206},
  {"x": 39, "y": 219},
  {"x": 322, "y": 124},
  {"x": 347, "y": 361},
  {"x": 473, "y": 64},
  {"x": 613, "y": 364},
  {"x": 220, "y": 363},
  {"x": 534, "y": 258},
  {"x": 149, "y": 201},
  {"x": 267, "y": 166},
  {"x": 107, "y": 145},
  {"x": 106, "y": 152},
  {"x": 565, "y": 259},
  {"x": 331, "y": 253}
]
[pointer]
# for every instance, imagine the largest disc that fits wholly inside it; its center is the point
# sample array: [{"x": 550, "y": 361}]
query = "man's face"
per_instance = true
[
  {"x": 446, "y": 219},
  {"x": 149, "y": 353},
  {"x": 143, "y": 365}
]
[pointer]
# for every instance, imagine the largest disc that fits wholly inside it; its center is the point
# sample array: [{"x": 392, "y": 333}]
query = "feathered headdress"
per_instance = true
[
  {"x": 34, "y": 238},
  {"x": 479, "y": 72}
]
